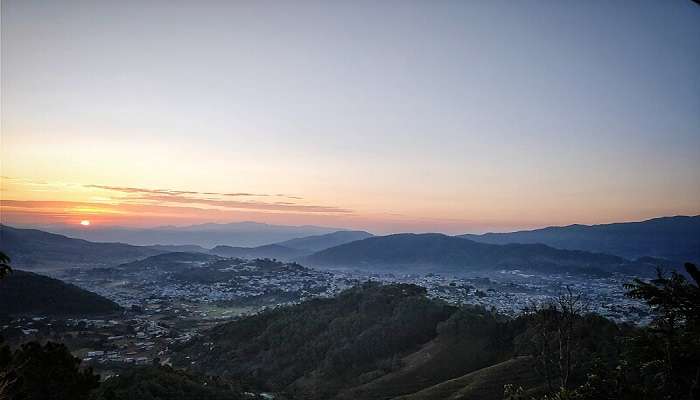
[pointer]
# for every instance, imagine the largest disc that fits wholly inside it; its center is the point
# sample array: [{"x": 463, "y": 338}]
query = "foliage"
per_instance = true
[
  {"x": 26, "y": 292},
  {"x": 5, "y": 268},
  {"x": 658, "y": 362},
  {"x": 165, "y": 383},
  {"x": 667, "y": 353},
  {"x": 49, "y": 371},
  {"x": 328, "y": 342},
  {"x": 565, "y": 339}
]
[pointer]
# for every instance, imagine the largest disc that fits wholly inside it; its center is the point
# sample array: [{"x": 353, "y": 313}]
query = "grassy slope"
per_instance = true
[
  {"x": 436, "y": 361},
  {"x": 484, "y": 384}
]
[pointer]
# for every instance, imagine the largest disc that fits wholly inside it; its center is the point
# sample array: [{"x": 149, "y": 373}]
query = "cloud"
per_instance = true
[
  {"x": 37, "y": 212},
  {"x": 245, "y": 194},
  {"x": 140, "y": 190},
  {"x": 127, "y": 189},
  {"x": 135, "y": 194},
  {"x": 247, "y": 205}
]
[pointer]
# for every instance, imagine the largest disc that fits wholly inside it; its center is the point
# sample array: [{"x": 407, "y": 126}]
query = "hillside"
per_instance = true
[
  {"x": 291, "y": 249},
  {"x": 328, "y": 342},
  {"x": 486, "y": 383},
  {"x": 175, "y": 261},
  {"x": 674, "y": 238},
  {"x": 38, "y": 250},
  {"x": 161, "y": 382},
  {"x": 381, "y": 342},
  {"x": 321, "y": 242},
  {"x": 187, "y": 248},
  {"x": 273, "y": 251},
  {"x": 441, "y": 253},
  {"x": 27, "y": 293}
]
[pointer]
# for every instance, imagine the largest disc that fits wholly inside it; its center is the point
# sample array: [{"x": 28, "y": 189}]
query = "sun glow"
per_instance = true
[{"x": 85, "y": 222}]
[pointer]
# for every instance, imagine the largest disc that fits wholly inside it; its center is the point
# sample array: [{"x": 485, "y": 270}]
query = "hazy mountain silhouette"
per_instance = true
[
  {"x": 188, "y": 248},
  {"x": 674, "y": 238},
  {"x": 245, "y": 234},
  {"x": 294, "y": 248},
  {"x": 322, "y": 242},
  {"x": 436, "y": 252},
  {"x": 35, "y": 249}
]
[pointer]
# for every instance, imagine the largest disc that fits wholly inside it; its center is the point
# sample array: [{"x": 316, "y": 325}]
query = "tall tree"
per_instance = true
[
  {"x": 670, "y": 349},
  {"x": 5, "y": 268},
  {"x": 49, "y": 371}
]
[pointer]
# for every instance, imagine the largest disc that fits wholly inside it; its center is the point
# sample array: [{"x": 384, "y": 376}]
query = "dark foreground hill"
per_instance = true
[
  {"x": 440, "y": 253},
  {"x": 38, "y": 250},
  {"x": 160, "y": 382},
  {"x": 372, "y": 342},
  {"x": 28, "y": 293},
  {"x": 674, "y": 238}
]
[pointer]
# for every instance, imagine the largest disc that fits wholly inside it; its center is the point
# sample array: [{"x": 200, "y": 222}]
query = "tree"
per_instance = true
[
  {"x": 658, "y": 362},
  {"x": 4, "y": 380},
  {"x": 571, "y": 307},
  {"x": 668, "y": 352},
  {"x": 5, "y": 268},
  {"x": 539, "y": 338},
  {"x": 553, "y": 337},
  {"x": 44, "y": 372}
]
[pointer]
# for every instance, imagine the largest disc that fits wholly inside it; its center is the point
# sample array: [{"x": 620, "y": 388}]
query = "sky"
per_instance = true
[{"x": 391, "y": 116}]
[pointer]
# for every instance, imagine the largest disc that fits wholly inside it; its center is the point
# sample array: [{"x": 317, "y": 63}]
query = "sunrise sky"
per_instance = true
[{"x": 451, "y": 116}]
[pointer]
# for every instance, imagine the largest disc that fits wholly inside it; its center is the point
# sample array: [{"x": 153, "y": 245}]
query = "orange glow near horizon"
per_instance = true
[{"x": 40, "y": 203}]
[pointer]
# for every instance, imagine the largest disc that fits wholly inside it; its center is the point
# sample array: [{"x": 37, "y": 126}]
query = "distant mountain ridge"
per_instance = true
[
  {"x": 238, "y": 234},
  {"x": 34, "y": 250},
  {"x": 27, "y": 293},
  {"x": 322, "y": 242},
  {"x": 294, "y": 248},
  {"x": 674, "y": 238},
  {"x": 432, "y": 252}
]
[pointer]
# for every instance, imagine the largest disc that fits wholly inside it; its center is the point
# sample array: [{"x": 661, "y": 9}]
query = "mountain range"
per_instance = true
[
  {"x": 294, "y": 248},
  {"x": 240, "y": 234},
  {"x": 433, "y": 252},
  {"x": 673, "y": 238},
  {"x": 37, "y": 250},
  {"x": 587, "y": 249}
]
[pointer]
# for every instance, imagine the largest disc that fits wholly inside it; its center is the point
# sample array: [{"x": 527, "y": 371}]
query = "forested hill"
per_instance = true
[
  {"x": 379, "y": 342},
  {"x": 434, "y": 252},
  {"x": 28, "y": 293},
  {"x": 673, "y": 238}
]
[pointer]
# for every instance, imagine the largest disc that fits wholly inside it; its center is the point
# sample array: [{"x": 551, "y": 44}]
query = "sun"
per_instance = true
[{"x": 85, "y": 222}]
